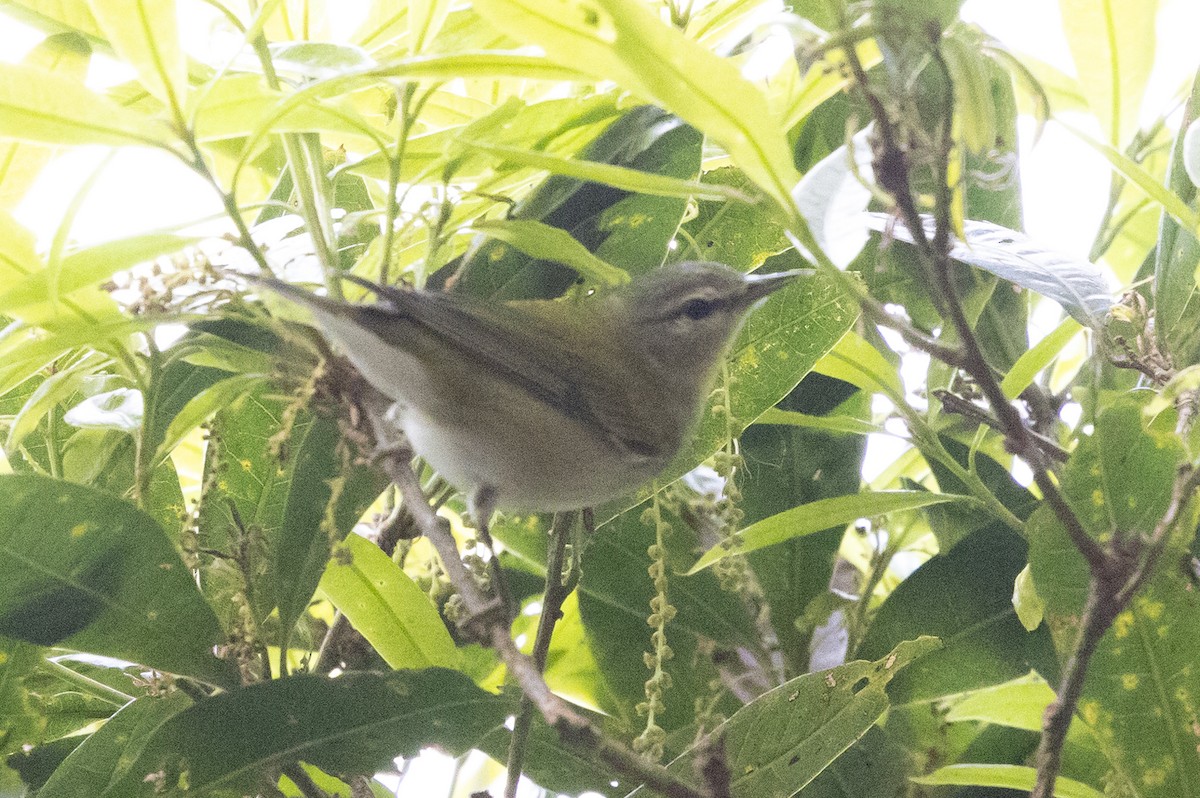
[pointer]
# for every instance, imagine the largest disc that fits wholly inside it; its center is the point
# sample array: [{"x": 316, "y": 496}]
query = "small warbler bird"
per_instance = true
[{"x": 546, "y": 405}]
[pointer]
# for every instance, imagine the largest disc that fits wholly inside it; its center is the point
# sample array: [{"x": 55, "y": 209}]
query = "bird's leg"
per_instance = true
[{"x": 483, "y": 506}]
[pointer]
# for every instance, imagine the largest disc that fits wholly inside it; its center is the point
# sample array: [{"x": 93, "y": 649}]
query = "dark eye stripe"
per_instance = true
[{"x": 697, "y": 309}]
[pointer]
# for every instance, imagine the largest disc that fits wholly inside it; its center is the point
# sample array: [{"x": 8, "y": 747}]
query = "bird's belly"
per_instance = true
[{"x": 544, "y": 464}]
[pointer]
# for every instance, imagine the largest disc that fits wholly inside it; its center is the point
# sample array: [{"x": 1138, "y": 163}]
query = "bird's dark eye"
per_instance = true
[{"x": 697, "y": 309}]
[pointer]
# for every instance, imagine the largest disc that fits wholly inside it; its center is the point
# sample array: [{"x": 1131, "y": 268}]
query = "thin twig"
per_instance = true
[
  {"x": 1130, "y": 563},
  {"x": 953, "y": 403},
  {"x": 1114, "y": 577},
  {"x": 558, "y": 587}
]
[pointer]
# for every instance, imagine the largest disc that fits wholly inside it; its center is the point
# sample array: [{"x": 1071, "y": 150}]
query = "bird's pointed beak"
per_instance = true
[{"x": 759, "y": 286}]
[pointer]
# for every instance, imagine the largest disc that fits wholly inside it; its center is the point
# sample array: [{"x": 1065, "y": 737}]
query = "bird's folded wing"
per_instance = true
[{"x": 534, "y": 352}]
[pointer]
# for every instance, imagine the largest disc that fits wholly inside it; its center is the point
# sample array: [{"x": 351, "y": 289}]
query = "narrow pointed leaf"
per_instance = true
[
  {"x": 545, "y": 242},
  {"x": 1011, "y": 777},
  {"x": 822, "y": 514}
]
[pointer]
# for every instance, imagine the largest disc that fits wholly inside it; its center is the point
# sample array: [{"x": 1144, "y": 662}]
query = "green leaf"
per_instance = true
[
  {"x": 855, "y": 361},
  {"x": 970, "y": 609},
  {"x": 177, "y": 386},
  {"x": 781, "y": 741},
  {"x": 54, "y": 390},
  {"x": 355, "y": 724},
  {"x": 615, "y": 591},
  {"x": 822, "y": 514},
  {"x": 20, "y": 723},
  {"x": 310, "y": 526},
  {"x": 616, "y": 176},
  {"x": 238, "y": 105},
  {"x": 319, "y": 59},
  {"x": 629, "y": 230},
  {"x": 145, "y": 35},
  {"x": 67, "y": 54},
  {"x": 1177, "y": 327},
  {"x": 1136, "y": 174},
  {"x": 624, "y": 41},
  {"x": 487, "y": 65},
  {"x": 1038, "y": 357},
  {"x": 797, "y": 465},
  {"x": 1012, "y": 777},
  {"x": 88, "y": 267},
  {"x": 1113, "y": 46},
  {"x": 970, "y": 74},
  {"x": 203, "y": 406},
  {"x": 1020, "y": 704},
  {"x": 86, "y": 571},
  {"x": 387, "y": 607},
  {"x": 737, "y": 234},
  {"x": 46, "y": 108},
  {"x": 1137, "y": 697},
  {"x": 26, "y": 350},
  {"x": 545, "y": 242},
  {"x": 108, "y": 751},
  {"x": 847, "y": 424},
  {"x": 876, "y": 765}
]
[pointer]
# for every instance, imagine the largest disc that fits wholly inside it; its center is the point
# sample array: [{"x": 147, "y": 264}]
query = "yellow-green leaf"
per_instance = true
[
  {"x": 387, "y": 608},
  {"x": 47, "y": 108},
  {"x": 1038, "y": 357},
  {"x": 624, "y": 41},
  {"x": 822, "y": 514},
  {"x": 1112, "y": 43},
  {"x": 67, "y": 54},
  {"x": 546, "y": 242},
  {"x": 145, "y": 33},
  {"x": 1013, "y": 777}
]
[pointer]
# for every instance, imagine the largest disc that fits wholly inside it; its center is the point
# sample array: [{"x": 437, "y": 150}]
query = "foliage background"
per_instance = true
[{"x": 180, "y": 482}]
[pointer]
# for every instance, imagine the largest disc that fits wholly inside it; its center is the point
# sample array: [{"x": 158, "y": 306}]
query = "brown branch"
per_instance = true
[
  {"x": 892, "y": 168},
  {"x": 1116, "y": 571},
  {"x": 1129, "y": 563},
  {"x": 953, "y": 403}
]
